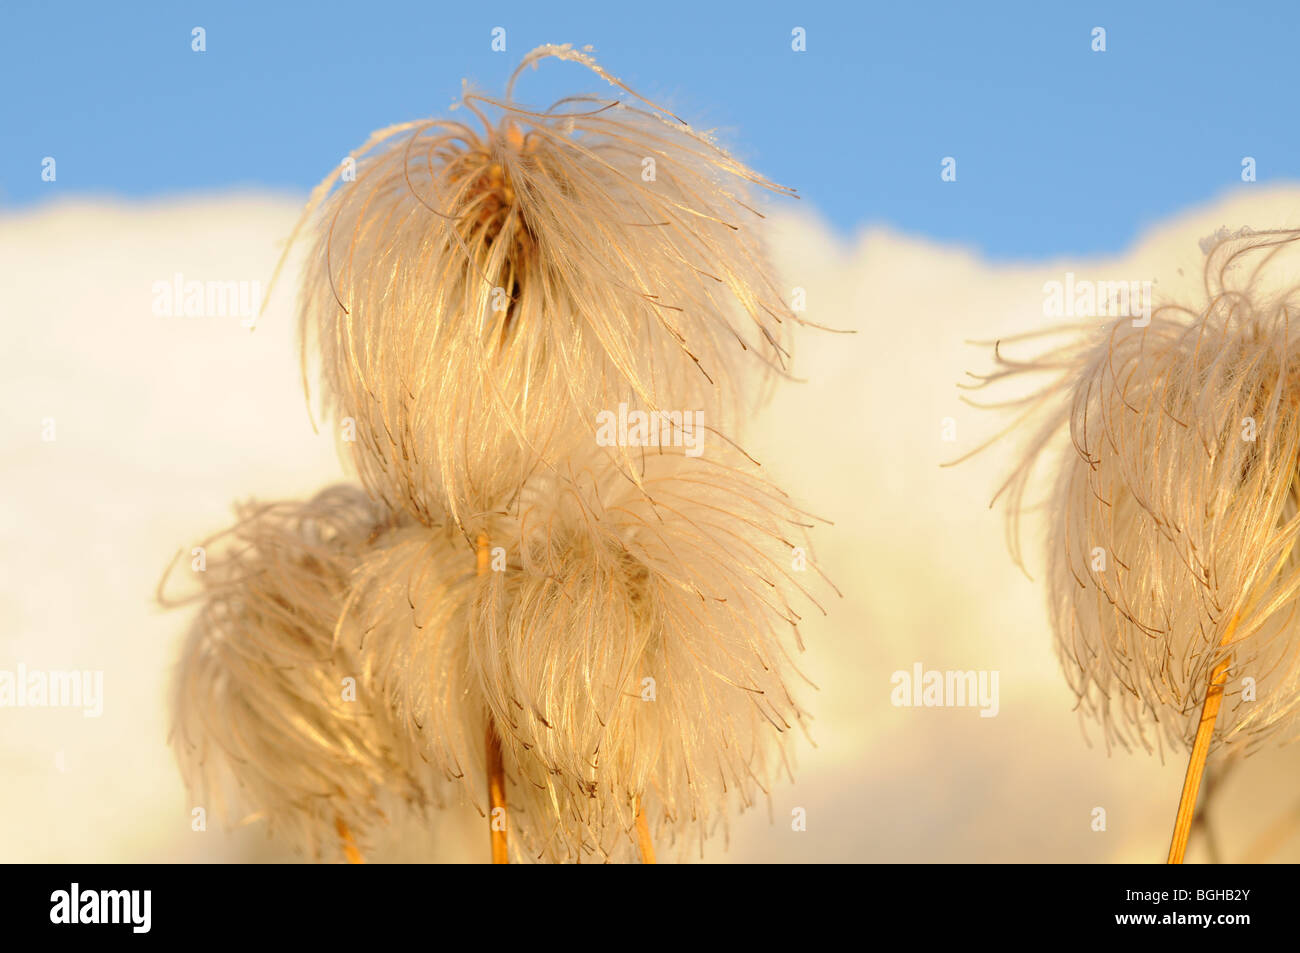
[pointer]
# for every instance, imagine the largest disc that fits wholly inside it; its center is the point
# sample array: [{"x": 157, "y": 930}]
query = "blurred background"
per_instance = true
[{"x": 130, "y": 157}]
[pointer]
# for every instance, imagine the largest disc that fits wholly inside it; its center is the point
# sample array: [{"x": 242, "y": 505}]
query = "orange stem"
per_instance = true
[
  {"x": 496, "y": 773},
  {"x": 644, "y": 842},
  {"x": 496, "y": 797},
  {"x": 349, "y": 845},
  {"x": 1200, "y": 753}
]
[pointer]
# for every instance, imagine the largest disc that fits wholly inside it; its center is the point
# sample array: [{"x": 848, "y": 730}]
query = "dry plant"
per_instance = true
[
  {"x": 595, "y": 642},
  {"x": 480, "y": 292},
  {"x": 1173, "y": 567}
]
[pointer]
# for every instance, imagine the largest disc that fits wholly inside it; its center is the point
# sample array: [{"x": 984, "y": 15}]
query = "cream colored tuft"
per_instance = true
[
  {"x": 631, "y": 644},
  {"x": 1178, "y": 468},
  {"x": 633, "y": 641},
  {"x": 262, "y": 726},
  {"x": 488, "y": 284}
]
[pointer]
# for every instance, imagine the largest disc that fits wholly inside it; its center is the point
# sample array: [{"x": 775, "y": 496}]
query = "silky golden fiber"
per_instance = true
[
  {"x": 633, "y": 646},
  {"x": 565, "y": 595},
  {"x": 1172, "y": 523},
  {"x": 486, "y": 285},
  {"x": 275, "y": 712}
]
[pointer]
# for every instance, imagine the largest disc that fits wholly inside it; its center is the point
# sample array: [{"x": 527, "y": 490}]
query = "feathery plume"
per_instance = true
[
  {"x": 1174, "y": 515},
  {"x": 631, "y": 645},
  {"x": 260, "y": 697},
  {"x": 618, "y": 624},
  {"x": 480, "y": 291}
]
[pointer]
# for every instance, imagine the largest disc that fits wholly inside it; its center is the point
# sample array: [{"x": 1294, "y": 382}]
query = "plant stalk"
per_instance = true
[
  {"x": 1200, "y": 752},
  {"x": 644, "y": 843},
  {"x": 496, "y": 773},
  {"x": 350, "y": 851}
]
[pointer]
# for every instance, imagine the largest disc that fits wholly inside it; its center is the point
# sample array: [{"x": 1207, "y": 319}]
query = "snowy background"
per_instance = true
[{"x": 161, "y": 423}]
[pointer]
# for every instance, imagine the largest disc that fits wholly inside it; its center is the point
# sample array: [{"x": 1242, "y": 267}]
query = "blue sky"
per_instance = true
[{"x": 1059, "y": 150}]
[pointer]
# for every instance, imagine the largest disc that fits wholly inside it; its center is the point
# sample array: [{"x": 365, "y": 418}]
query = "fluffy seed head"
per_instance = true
[
  {"x": 632, "y": 644},
  {"x": 1174, "y": 511},
  {"x": 487, "y": 285},
  {"x": 479, "y": 294},
  {"x": 264, "y": 724}
]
